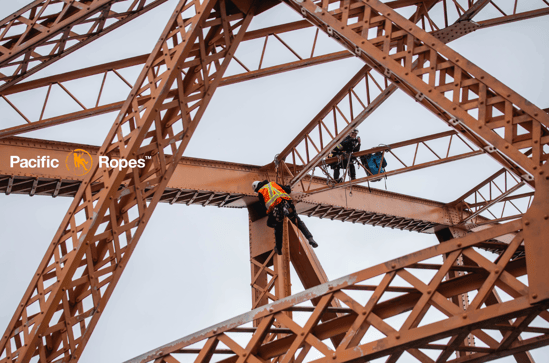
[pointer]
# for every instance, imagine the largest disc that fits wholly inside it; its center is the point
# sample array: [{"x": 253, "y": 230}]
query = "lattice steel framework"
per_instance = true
[{"x": 111, "y": 207}]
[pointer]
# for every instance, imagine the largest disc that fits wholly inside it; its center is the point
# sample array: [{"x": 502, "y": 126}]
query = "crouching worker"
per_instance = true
[
  {"x": 278, "y": 203},
  {"x": 344, "y": 151}
]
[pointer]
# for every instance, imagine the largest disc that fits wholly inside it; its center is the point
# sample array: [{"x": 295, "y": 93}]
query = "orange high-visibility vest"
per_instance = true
[{"x": 273, "y": 194}]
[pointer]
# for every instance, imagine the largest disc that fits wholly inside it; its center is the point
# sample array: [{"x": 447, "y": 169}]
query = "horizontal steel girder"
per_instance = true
[
  {"x": 216, "y": 183},
  {"x": 228, "y": 182},
  {"x": 362, "y": 312}
]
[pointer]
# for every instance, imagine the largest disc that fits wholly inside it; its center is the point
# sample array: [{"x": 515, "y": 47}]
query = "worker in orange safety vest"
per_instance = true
[{"x": 278, "y": 204}]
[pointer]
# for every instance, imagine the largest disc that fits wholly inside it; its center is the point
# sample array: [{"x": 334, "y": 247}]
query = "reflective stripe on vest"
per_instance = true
[{"x": 275, "y": 195}]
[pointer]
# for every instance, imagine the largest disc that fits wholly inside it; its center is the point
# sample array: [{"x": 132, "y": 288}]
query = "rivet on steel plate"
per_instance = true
[
  {"x": 490, "y": 149},
  {"x": 453, "y": 121}
]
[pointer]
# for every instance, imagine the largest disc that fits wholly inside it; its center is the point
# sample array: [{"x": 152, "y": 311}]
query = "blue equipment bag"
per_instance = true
[{"x": 373, "y": 161}]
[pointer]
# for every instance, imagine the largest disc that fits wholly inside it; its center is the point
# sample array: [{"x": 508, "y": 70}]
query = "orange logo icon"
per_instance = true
[{"x": 79, "y": 162}]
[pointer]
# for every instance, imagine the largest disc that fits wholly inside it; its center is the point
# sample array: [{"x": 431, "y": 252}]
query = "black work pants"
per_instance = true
[
  {"x": 343, "y": 164},
  {"x": 276, "y": 221}
]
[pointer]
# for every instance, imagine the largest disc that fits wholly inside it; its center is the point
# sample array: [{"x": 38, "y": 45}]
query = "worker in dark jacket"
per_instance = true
[
  {"x": 278, "y": 203},
  {"x": 343, "y": 151}
]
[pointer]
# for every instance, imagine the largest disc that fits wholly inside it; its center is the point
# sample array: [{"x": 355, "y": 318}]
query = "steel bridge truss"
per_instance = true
[
  {"x": 454, "y": 21},
  {"x": 431, "y": 304},
  {"x": 394, "y": 299}
]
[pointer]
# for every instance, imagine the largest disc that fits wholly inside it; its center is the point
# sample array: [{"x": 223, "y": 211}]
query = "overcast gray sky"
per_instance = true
[{"x": 191, "y": 268}]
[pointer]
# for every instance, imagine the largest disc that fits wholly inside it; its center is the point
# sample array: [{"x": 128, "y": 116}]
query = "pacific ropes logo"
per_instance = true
[{"x": 78, "y": 162}]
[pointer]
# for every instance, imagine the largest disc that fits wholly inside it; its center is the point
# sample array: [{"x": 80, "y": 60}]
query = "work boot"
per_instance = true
[{"x": 313, "y": 243}]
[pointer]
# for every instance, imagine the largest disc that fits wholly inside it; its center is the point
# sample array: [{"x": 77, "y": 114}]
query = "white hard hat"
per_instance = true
[
  {"x": 255, "y": 184},
  {"x": 354, "y": 131}
]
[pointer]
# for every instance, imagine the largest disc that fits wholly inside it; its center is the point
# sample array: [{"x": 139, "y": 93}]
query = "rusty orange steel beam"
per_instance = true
[
  {"x": 497, "y": 190},
  {"x": 334, "y": 137},
  {"x": 314, "y": 147},
  {"x": 391, "y": 44},
  {"x": 138, "y": 60},
  {"x": 416, "y": 298},
  {"x": 108, "y": 224},
  {"x": 41, "y": 28},
  {"x": 400, "y": 151},
  {"x": 222, "y": 184},
  {"x": 115, "y": 106},
  {"x": 446, "y": 82},
  {"x": 514, "y": 17},
  {"x": 195, "y": 181},
  {"x": 449, "y": 33},
  {"x": 43, "y": 31},
  {"x": 270, "y": 272}
]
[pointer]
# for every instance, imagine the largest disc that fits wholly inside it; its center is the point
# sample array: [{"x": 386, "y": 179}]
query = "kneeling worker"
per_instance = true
[{"x": 278, "y": 203}]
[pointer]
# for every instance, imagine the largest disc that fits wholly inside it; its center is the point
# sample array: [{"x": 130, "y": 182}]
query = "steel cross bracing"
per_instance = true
[
  {"x": 87, "y": 256},
  {"x": 478, "y": 103},
  {"x": 495, "y": 192},
  {"x": 348, "y": 109},
  {"x": 393, "y": 351},
  {"x": 465, "y": 94},
  {"x": 304, "y": 55},
  {"x": 45, "y": 31},
  {"x": 236, "y": 341},
  {"x": 408, "y": 151},
  {"x": 140, "y": 195}
]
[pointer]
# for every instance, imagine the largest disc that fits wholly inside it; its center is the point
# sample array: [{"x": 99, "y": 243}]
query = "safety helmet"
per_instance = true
[
  {"x": 355, "y": 131},
  {"x": 255, "y": 184}
]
